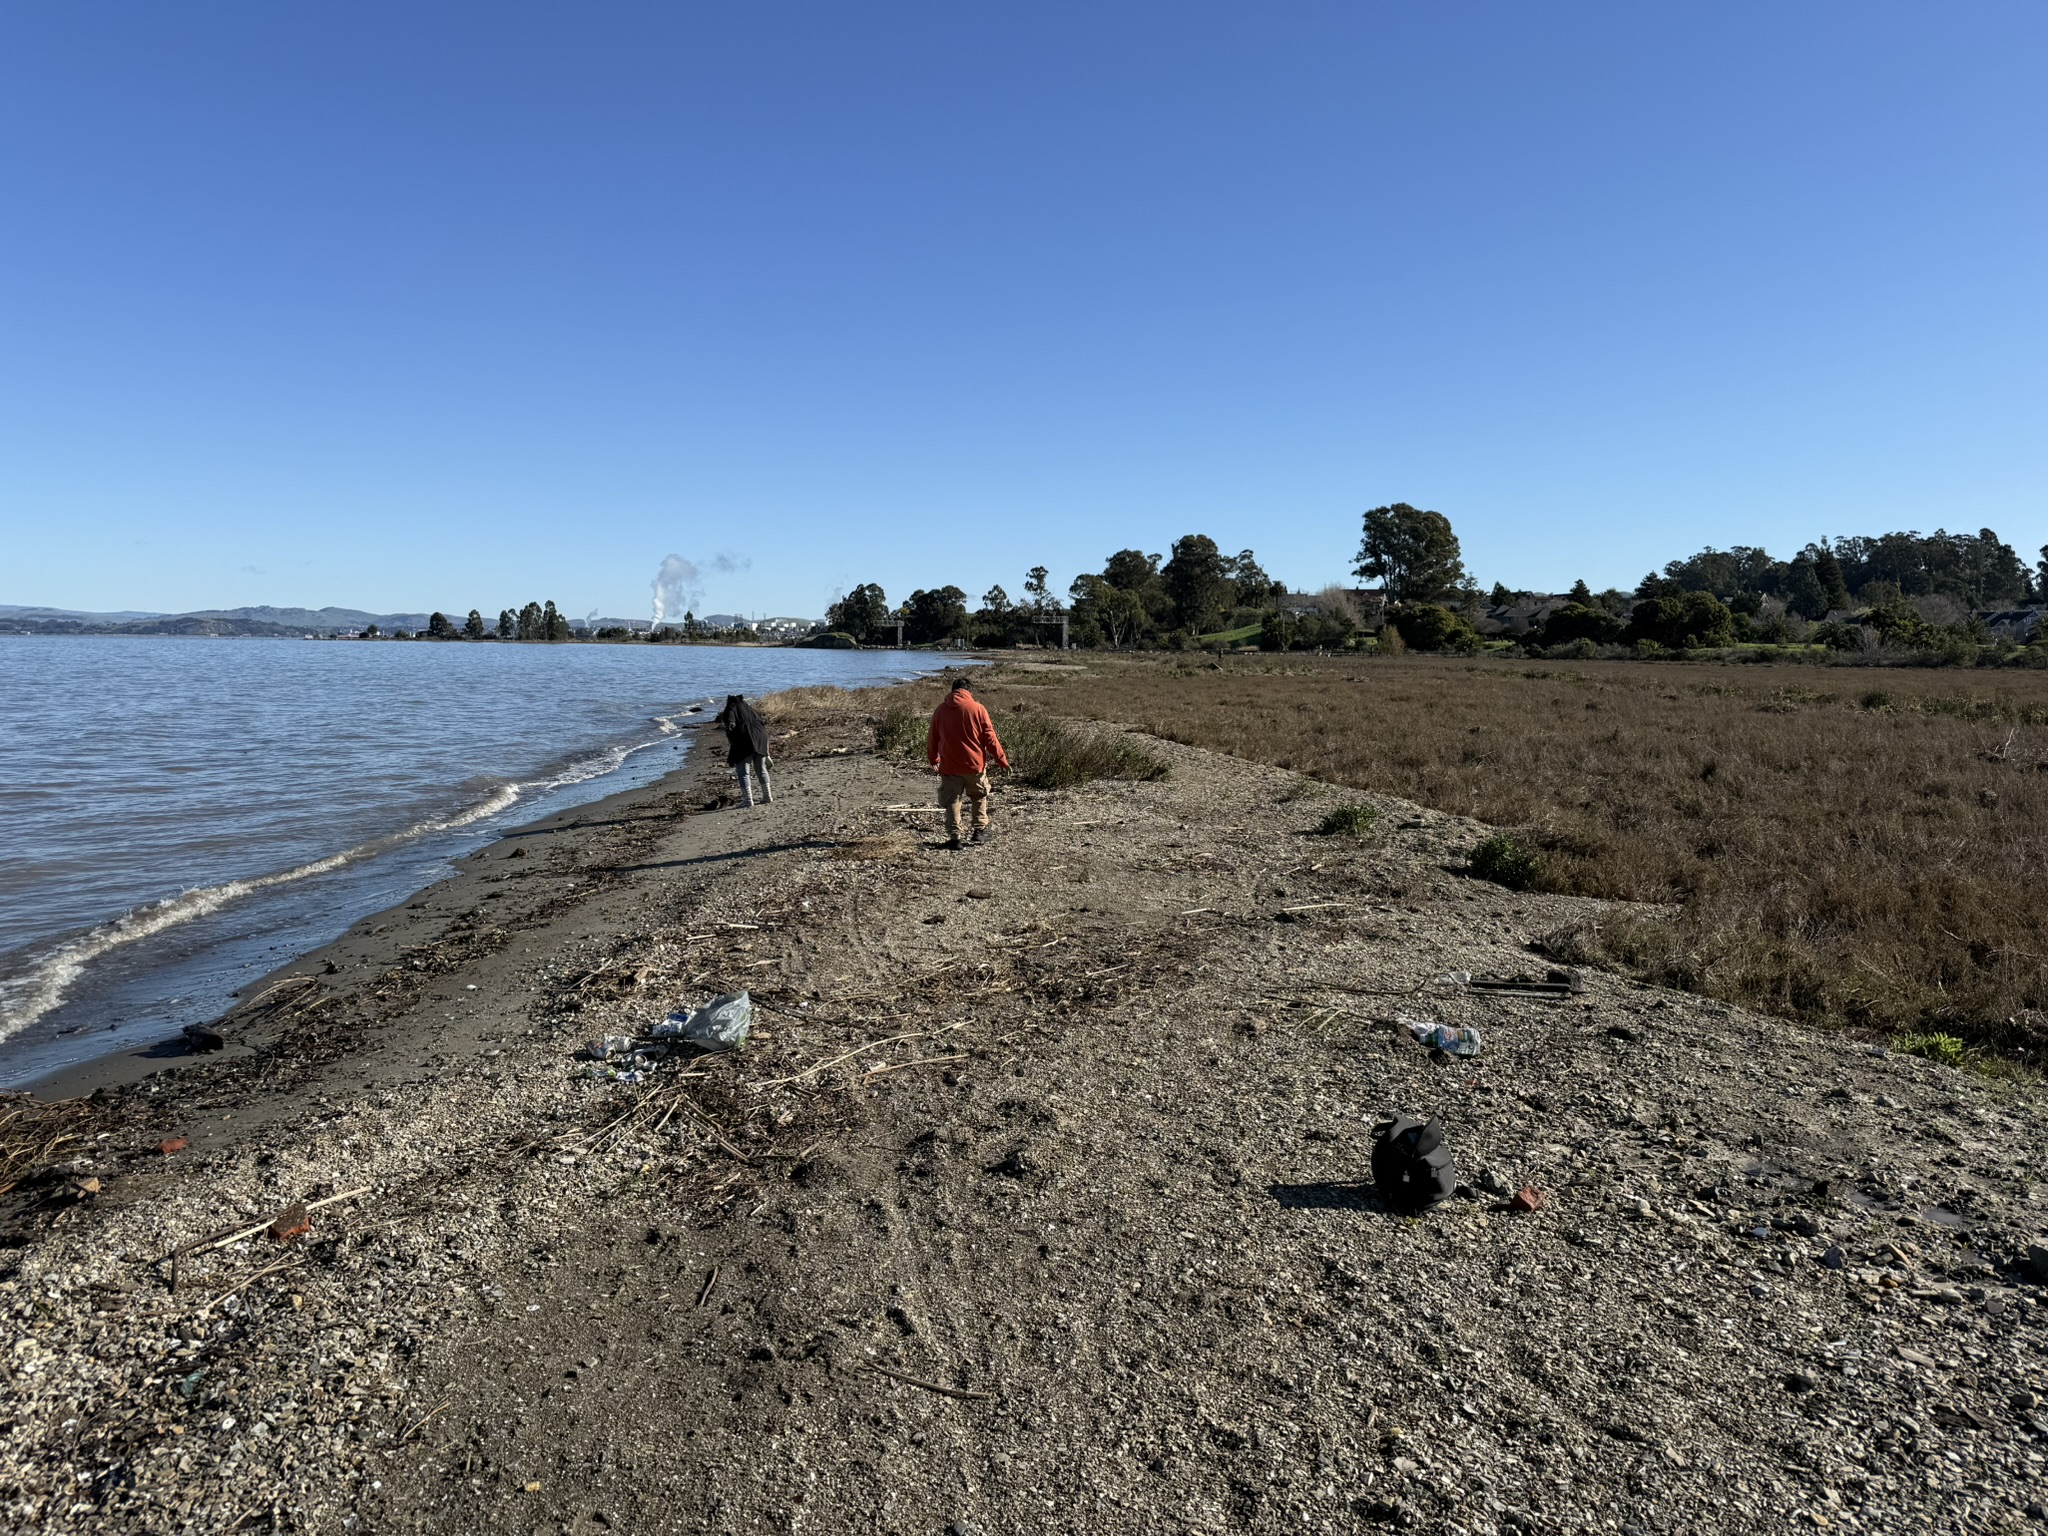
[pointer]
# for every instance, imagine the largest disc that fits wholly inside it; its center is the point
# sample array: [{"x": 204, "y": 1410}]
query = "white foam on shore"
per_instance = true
[
  {"x": 26, "y": 998},
  {"x": 43, "y": 987}
]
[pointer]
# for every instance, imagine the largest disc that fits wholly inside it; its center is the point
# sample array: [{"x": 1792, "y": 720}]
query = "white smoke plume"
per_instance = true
[{"x": 679, "y": 584}]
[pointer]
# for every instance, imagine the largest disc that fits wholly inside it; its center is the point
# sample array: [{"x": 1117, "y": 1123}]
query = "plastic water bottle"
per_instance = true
[{"x": 1444, "y": 1037}]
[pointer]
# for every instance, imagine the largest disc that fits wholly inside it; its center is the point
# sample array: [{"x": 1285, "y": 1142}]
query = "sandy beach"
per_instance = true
[{"x": 1036, "y": 1201}]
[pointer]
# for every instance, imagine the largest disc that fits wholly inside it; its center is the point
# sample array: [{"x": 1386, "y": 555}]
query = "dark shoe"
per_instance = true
[
  {"x": 984, "y": 834},
  {"x": 953, "y": 844}
]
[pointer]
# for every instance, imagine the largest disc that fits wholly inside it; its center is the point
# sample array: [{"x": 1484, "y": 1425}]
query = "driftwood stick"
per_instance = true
[
  {"x": 264, "y": 1226},
  {"x": 932, "y": 1386}
]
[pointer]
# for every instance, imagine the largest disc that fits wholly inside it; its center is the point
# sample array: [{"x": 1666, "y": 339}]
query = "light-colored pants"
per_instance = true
[
  {"x": 760, "y": 767},
  {"x": 974, "y": 786}
]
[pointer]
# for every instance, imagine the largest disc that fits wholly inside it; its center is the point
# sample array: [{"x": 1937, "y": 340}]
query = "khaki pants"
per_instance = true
[{"x": 954, "y": 785}]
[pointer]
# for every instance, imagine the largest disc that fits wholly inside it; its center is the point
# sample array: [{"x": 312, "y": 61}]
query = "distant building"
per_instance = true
[{"x": 2018, "y": 624}]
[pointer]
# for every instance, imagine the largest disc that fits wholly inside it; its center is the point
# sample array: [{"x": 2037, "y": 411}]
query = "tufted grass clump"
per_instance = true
[
  {"x": 1353, "y": 820},
  {"x": 1504, "y": 861},
  {"x": 1946, "y": 1049}
]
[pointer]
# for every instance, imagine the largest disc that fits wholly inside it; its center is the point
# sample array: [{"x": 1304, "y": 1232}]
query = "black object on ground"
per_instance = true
[{"x": 1411, "y": 1167}]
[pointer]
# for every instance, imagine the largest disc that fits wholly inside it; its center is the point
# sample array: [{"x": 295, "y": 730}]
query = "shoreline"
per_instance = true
[
  {"x": 138, "y": 1060},
  {"x": 374, "y": 941},
  {"x": 1039, "y": 1185}
]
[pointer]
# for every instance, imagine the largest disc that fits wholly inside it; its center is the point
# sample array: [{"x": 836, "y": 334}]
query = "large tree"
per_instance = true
[
  {"x": 1132, "y": 570},
  {"x": 938, "y": 614},
  {"x": 1254, "y": 587},
  {"x": 1112, "y": 613},
  {"x": 860, "y": 613},
  {"x": 1413, "y": 554},
  {"x": 1198, "y": 580},
  {"x": 1037, "y": 596}
]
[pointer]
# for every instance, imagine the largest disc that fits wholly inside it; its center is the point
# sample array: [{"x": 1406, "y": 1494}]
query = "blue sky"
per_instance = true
[{"x": 406, "y": 306}]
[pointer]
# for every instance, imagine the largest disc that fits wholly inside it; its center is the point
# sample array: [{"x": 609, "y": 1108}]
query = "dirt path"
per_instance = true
[{"x": 1082, "y": 1244}]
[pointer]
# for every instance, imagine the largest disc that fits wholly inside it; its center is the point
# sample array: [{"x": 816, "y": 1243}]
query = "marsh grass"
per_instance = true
[
  {"x": 1043, "y": 753},
  {"x": 1824, "y": 848},
  {"x": 796, "y": 706}
]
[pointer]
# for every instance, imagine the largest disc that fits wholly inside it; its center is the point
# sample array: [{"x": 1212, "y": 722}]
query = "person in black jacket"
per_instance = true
[{"x": 746, "y": 735}]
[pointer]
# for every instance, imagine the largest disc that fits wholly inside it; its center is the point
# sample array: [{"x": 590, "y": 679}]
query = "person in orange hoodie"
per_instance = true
[{"x": 960, "y": 745}]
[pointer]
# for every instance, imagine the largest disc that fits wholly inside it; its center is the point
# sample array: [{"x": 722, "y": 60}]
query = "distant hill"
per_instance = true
[
  {"x": 16, "y": 611},
  {"x": 326, "y": 618},
  {"x": 265, "y": 621},
  {"x": 211, "y": 621}
]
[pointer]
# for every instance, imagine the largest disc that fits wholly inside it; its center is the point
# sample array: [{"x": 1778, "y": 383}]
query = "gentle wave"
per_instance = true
[{"x": 26, "y": 998}]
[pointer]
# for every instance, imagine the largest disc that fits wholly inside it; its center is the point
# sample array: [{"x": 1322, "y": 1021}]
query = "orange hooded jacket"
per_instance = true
[{"x": 962, "y": 739}]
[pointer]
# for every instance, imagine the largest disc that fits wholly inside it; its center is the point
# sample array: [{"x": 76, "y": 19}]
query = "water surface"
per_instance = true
[{"x": 185, "y": 814}]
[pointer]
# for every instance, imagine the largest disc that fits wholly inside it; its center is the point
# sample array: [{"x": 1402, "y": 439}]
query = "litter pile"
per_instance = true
[{"x": 722, "y": 1024}]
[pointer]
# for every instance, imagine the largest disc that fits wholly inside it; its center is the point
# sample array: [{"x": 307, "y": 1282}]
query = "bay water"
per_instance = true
[{"x": 182, "y": 815}]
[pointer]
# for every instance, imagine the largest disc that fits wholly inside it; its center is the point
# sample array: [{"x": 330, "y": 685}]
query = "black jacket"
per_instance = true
[{"x": 746, "y": 733}]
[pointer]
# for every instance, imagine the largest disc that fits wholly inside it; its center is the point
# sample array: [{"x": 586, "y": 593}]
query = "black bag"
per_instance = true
[{"x": 1411, "y": 1167}]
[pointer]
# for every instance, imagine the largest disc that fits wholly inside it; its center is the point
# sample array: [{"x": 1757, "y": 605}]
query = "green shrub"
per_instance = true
[
  {"x": 1349, "y": 821},
  {"x": 900, "y": 732},
  {"x": 1578, "y": 622},
  {"x": 1946, "y": 1049},
  {"x": 1505, "y": 862},
  {"x": 1688, "y": 622},
  {"x": 1432, "y": 627}
]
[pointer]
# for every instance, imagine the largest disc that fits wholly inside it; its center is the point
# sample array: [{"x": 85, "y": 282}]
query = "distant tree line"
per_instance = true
[
  {"x": 1925, "y": 593},
  {"x": 1136, "y": 599},
  {"x": 536, "y": 621}
]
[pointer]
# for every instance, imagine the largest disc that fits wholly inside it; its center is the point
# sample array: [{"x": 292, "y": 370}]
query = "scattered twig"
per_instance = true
[
  {"x": 923, "y": 1061},
  {"x": 421, "y": 1423},
  {"x": 704, "y": 1290},
  {"x": 1317, "y": 906},
  {"x": 269, "y": 1269},
  {"x": 289, "y": 981},
  {"x": 1343, "y": 986},
  {"x": 916, "y": 1034},
  {"x": 931, "y": 1386}
]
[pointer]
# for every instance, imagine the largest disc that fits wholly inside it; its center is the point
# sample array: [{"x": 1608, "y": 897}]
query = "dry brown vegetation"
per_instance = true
[{"x": 1861, "y": 850}]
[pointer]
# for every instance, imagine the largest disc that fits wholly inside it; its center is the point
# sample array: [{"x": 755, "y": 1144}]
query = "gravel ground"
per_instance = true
[{"x": 1076, "y": 1236}]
